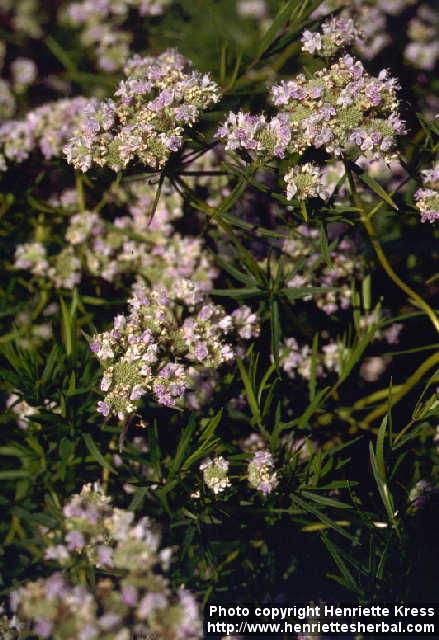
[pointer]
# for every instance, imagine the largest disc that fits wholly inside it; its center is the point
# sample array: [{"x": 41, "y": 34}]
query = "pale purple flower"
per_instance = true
[
  {"x": 75, "y": 540},
  {"x": 102, "y": 407}
]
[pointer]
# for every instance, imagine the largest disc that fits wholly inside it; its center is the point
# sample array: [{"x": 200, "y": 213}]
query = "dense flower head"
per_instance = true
[
  {"x": 260, "y": 472},
  {"x": 161, "y": 347},
  {"x": 46, "y": 128},
  {"x": 147, "y": 116},
  {"x": 66, "y": 270},
  {"x": 137, "y": 598},
  {"x": 256, "y": 134},
  {"x": 32, "y": 257},
  {"x": 427, "y": 198},
  {"x": 306, "y": 181},
  {"x": 341, "y": 109},
  {"x": 100, "y": 24},
  {"x": 215, "y": 474},
  {"x": 336, "y": 34},
  {"x": 295, "y": 360},
  {"x": 108, "y": 537}
]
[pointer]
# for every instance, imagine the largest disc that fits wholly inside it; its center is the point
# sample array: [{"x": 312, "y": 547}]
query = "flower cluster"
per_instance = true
[
  {"x": 21, "y": 409},
  {"x": 24, "y": 16},
  {"x": 427, "y": 198},
  {"x": 142, "y": 242},
  {"x": 370, "y": 19},
  {"x": 306, "y": 181},
  {"x": 24, "y": 73},
  {"x": 297, "y": 361},
  {"x": 422, "y": 51},
  {"x": 48, "y": 128},
  {"x": 32, "y": 257},
  {"x": 146, "y": 119},
  {"x": 336, "y": 277},
  {"x": 161, "y": 347},
  {"x": 337, "y": 33},
  {"x": 64, "y": 270},
  {"x": 256, "y": 134},
  {"x": 215, "y": 474},
  {"x": 100, "y": 23},
  {"x": 420, "y": 494},
  {"x": 105, "y": 535},
  {"x": 260, "y": 472},
  {"x": 341, "y": 109},
  {"x": 139, "y": 600}
]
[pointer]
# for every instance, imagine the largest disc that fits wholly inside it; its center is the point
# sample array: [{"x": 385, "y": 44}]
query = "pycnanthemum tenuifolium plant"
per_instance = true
[{"x": 220, "y": 302}]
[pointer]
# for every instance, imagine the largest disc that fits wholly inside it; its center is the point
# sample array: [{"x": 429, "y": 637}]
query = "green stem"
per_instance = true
[
  {"x": 415, "y": 297},
  {"x": 402, "y": 389},
  {"x": 80, "y": 191}
]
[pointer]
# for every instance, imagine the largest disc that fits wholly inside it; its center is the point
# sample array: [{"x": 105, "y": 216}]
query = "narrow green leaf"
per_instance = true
[
  {"x": 343, "y": 568},
  {"x": 251, "y": 397},
  {"x": 275, "y": 331},
  {"x": 14, "y": 474},
  {"x": 378, "y": 189},
  {"x": 235, "y": 273},
  {"x": 324, "y": 246},
  {"x": 306, "y": 507},
  {"x": 96, "y": 454},
  {"x": 244, "y": 293},
  {"x": 324, "y": 500},
  {"x": 313, "y": 377},
  {"x": 211, "y": 426},
  {"x": 138, "y": 497},
  {"x": 183, "y": 444}
]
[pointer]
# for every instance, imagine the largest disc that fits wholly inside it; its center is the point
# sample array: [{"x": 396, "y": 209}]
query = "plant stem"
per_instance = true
[
  {"x": 402, "y": 389},
  {"x": 80, "y": 191},
  {"x": 416, "y": 299}
]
